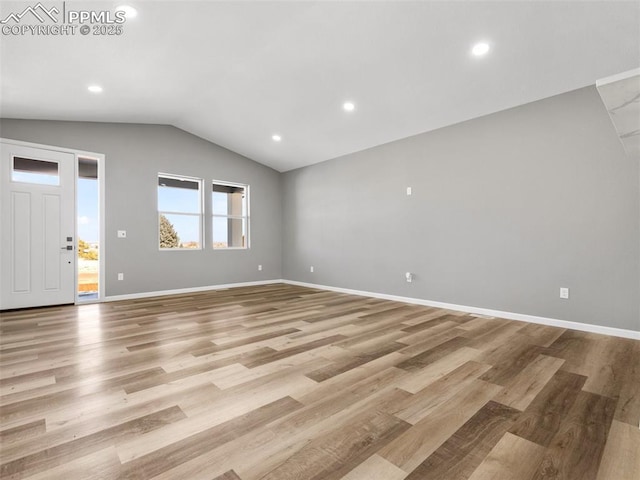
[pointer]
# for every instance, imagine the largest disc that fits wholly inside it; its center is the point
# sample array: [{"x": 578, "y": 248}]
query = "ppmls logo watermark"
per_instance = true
[{"x": 40, "y": 20}]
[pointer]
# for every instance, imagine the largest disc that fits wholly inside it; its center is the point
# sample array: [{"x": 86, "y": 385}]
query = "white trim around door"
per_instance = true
[{"x": 77, "y": 154}]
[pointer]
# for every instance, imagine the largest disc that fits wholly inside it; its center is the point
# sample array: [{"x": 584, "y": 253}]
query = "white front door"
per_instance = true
[{"x": 37, "y": 222}]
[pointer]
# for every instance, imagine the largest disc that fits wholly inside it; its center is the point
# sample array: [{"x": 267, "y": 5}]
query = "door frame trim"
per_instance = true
[{"x": 100, "y": 157}]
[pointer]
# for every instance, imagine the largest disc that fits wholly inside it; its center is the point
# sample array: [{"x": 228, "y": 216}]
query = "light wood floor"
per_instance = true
[{"x": 284, "y": 382}]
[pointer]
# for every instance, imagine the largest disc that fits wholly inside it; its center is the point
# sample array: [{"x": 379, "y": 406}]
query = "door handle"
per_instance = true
[{"x": 68, "y": 247}]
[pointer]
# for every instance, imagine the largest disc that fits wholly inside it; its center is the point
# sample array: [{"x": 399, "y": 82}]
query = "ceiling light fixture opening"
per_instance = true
[
  {"x": 95, "y": 88},
  {"x": 129, "y": 11},
  {"x": 276, "y": 138},
  {"x": 348, "y": 106},
  {"x": 480, "y": 49}
]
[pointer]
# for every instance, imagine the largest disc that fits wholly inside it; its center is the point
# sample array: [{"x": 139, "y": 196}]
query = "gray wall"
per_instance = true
[
  {"x": 134, "y": 156},
  {"x": 506, "y": 209}
]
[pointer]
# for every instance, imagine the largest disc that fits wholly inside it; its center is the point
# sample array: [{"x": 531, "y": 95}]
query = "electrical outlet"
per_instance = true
[
  {"x": 311, "y": 269},
  {"x": 259, "y": 268},
  {"x": 564, "y": 292},
  {"x": 409, "y": 190},
  {"x": 121, "y": 276},
  {"x": 409, "y": 277}
]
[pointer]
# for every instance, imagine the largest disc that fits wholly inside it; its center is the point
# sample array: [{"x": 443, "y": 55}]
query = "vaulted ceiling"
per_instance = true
[{"x": 237, "y": 73}]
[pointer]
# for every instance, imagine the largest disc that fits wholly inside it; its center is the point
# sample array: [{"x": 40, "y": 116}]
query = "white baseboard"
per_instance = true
[
  {"x": 178, "y": 291},
  {"x": 585, "y": 327}
]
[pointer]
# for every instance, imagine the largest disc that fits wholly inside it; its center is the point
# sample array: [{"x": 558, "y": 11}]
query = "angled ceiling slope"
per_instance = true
[
  {"x": 237, "y": 73},
  {"x": 621, "y": 96}
]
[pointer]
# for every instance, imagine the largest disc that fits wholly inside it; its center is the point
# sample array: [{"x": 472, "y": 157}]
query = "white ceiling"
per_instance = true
[
  {"x": 621, "y": 96},
  {"x": 235, "y": 73}
]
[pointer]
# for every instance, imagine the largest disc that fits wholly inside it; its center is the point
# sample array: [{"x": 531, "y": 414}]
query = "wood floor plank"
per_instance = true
[
  {"x": 370, "y": 389},
  {"x": 256, "y": 454},
  {"x": 542, "y": 335},
  {"x": 497, "y": 337},
  {"x": 423, "y": 342},
  {"x": 430, "y": 323},
  {"x": 621, "y": 457},
  {"x": 66, "y": 434},
  {"x": 79, "y": 447},
  {"x": 418, "y": 380},
  {"x": 256, "y": 392},
  {"x": 460, "y": 455},
  {"x": 441, "y": 391},
  {"x": 433, "y": 354},
  {"x": 521, "y": 391},
  {"x": 628, "y": 408},
  {"x": 99, "y": 465},
  {"x": 269, "y": 355},
  {"x": 577, "y": 448},
  {"x": 202, "y": 415},
  {"x": 416, "y": 444},
  {"x": 284, "y": 381},
  {"x": 441, "y": 331},
  {"x": 230, "y": 475},
  {"x": 62, "y": 406},
  {"x": 513, "y": 457},
  {"x": 181, "y": 451},
  {"x": 542, "y": 418},
  {"x": 332, "y": 456},
  {"x": 351, "y": 362},
  {"x": 22, "y": 432},
  {"x": 213, "y": 348},
  {"x": 577, "y": 348},
  {"x": 510, "y": 359},
  {"x": 347, "y": 379},
  {"x": 20, "y": 386},
  {"x": 327, "y": 417},
  {"x": 375, "y": 468}
]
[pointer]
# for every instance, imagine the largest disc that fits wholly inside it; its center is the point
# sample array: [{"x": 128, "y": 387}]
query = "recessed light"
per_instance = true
[
  {"x": 480, "y": 49},
  {"x": 276, "y": 138},
  {"x": 129, "y": 11},
  {"x": 95, "y": 88},
  {"x": 348, "y": 106}
]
